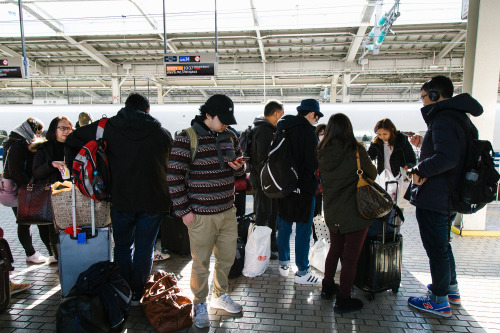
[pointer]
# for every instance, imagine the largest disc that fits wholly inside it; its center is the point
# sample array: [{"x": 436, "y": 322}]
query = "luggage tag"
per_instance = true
[{"x": 82, "y": 238}]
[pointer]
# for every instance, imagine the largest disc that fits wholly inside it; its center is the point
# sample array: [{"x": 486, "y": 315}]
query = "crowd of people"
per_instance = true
[{"x": 193, "y": 175}]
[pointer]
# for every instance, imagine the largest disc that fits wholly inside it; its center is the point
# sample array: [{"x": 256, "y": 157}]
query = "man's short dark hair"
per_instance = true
[
  {"x": 271, "y": 107},
  {"x": 137, "y": 101},
  {"x": 303, "y": 113},
  {"x": 442, "y": 84}
]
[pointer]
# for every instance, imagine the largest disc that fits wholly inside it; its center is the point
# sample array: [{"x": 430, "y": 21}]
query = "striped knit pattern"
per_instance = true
[{"x": 210, "y": 187}]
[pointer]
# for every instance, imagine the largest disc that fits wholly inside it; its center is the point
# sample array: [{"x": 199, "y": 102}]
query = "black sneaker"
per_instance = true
[
  {"x": 274, "y": 256},
  {"x": 136, "y": 300}
]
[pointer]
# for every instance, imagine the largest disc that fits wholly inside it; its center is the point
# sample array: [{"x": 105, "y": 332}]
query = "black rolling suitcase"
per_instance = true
[
  {"x": 379, "y": 263},
  {"x": 174, "y": 235}
]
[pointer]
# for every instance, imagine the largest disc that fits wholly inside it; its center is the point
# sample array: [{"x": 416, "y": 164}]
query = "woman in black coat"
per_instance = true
[
  {"x": 337, "y": 161},
  {"x": 49, "y": 166},
  {"x": 391, "y": 148},
  {"x": 19, "y": 151}
]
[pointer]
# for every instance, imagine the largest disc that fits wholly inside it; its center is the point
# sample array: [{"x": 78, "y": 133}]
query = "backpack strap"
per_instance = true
[
  {"x": 100, "y": 128},
  {"x": 193, "y": 140}
]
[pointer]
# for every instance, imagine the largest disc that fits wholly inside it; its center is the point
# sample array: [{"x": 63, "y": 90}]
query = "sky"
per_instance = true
[{"x": 122, "y": 17}]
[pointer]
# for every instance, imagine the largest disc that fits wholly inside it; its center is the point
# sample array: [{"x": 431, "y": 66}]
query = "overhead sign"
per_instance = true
[
  {"x": 190, "y": 65},
  {"x": 11, "y": 68}
]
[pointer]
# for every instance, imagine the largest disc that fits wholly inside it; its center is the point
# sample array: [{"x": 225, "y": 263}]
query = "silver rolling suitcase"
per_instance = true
[{"x": 78, "y": 251}]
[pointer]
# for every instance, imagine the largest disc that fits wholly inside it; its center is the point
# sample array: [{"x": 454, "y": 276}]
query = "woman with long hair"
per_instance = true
[
  {"x": 18, "y": 154},
  {"x": 48, "y": 165},
  {"x": 391, "y": 148},
  {"x": 336, "y": 155}
]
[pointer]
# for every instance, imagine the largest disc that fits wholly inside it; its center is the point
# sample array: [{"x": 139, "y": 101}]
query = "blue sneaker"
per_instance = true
[
  {"x": 453, "y": 297},
  {"x": 425, "y": 303}
]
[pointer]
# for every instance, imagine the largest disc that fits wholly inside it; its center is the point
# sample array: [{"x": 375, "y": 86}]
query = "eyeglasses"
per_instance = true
[
  {"x": 64, "y": 128},
  {"x": 317, "y": 119},
  {"x": 424, "y": 96}
]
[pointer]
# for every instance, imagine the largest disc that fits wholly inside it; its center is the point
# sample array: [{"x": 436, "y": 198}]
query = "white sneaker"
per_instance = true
[
  {"x": 225, "y": 303},
  {"x": 309, "y": 278},
  {"x": 284, "y": 270},
  {"x": 201, "y": 319},
  {"x": 158, "y": 256},
  {"x": 36, "y": 258},
  {"x": 52, "y": 260}
]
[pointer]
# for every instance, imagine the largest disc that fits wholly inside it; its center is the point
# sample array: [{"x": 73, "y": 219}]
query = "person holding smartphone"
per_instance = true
[{"x": 391, "y": 148}]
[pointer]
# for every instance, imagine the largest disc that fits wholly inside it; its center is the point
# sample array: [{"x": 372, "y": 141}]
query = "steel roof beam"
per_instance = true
[
  {"x": 257, "y": 30},
  {"x": 454, "y": 42},
  {"x": 368, "y": 11}
]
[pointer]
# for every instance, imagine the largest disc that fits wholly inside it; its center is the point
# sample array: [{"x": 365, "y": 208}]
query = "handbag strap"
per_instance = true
[
  {"x": 5, "y": 161},
  {"x": 359, "y": 171}
]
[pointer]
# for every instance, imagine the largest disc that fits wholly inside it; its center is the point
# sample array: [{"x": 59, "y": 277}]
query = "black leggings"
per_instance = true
[{"x": 47, "y": 233}]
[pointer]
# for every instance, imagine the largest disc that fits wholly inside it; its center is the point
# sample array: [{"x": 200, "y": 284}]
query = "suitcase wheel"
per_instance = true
[
  {"x": 395, "y": 290},
  {"x": 370, "y": 297}
]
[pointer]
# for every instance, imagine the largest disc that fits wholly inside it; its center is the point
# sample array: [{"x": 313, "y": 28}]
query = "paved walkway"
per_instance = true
[{"x": 272, "y": 303}]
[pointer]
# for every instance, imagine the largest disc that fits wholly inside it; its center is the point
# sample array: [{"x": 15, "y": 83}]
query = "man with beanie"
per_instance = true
[
  {"x": 137, "y": 151},
  {"x": 435, "y": 178},
  {"x": 298, "y": 206},
  {"x": 201, "y": 171}
]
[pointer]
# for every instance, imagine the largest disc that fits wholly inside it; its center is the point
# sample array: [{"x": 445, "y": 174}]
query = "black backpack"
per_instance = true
[
  {"x": 99, "y": 301},
  {"x": 280, "y": 176},
  {"x": 479, "y": 180}
]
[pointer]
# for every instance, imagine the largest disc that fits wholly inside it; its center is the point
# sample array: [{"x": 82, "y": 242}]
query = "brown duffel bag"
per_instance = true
[{"x": 165, "y": 307}]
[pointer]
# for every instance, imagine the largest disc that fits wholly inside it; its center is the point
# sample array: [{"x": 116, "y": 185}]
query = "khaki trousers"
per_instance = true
[{"x": 207, "y": 233}]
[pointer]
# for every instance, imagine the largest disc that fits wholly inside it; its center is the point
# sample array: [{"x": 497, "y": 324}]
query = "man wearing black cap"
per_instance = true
[
  {"x": 298, "y": 206},
  {"x": 201, "y": 184}
]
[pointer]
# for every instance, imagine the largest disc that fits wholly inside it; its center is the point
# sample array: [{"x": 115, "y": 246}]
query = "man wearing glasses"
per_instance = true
[
  {"x": 298, "y": 206},
  {"x": 436, "y": 176}
]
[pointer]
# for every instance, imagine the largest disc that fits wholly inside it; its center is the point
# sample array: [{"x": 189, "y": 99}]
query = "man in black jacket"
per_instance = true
[
  {"x": 435, "y": 177},
  {"x": 298, "y": 206},
  {"x": 137, "y": 150},
  {"x": 266, "y": 209}
]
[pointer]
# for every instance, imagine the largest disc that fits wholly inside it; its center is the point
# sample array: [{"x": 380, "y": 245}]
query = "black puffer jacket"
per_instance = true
[
  {"x": 43, "y": 170},
  {"x": 402, "y": 154},
  {"x": 137, "y": 150},
  {"x": 442, "y": 154},
  {"x": 262, "y": 136},
  {"x": 19, "y": 166}
]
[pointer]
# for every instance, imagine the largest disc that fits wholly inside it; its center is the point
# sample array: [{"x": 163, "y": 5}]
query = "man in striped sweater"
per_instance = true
[{"x": 200, "y": 177}]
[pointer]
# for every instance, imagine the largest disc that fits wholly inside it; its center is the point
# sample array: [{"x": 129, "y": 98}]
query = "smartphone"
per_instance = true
[
  {"x": 242, "y": 158},
  {"x": 410, "y": 133}
]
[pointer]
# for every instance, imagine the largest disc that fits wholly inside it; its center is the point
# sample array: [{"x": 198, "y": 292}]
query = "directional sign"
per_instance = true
[
  {"x": 11, "y": 68},
  {"x": 190, "y": 65}
]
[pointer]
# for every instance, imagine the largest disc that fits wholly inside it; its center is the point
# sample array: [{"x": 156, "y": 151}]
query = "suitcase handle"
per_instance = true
[{"x": 89, "y": 234}]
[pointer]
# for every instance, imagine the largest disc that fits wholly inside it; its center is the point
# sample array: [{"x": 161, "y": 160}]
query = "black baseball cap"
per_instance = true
[{"x": 221, "y": 106}]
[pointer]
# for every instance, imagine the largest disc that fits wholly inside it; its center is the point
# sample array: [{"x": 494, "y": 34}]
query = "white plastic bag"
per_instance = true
[
  {"x": 257, "y": 251},
  {"x": 403, "y": 184},
  {"x": 392, "y": 189},
  {"x": 320, "y": 228},
  {"x": 318, "y": 253}
]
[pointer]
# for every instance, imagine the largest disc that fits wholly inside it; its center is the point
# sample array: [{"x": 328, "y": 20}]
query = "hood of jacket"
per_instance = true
[
  {"x": 261, "y": 121},
  {"x": 463, "y": 103},
  {"x": 328, "y": 156},
  {"x": 136, "y": 125},
  {"x": 289, "y": 121}
]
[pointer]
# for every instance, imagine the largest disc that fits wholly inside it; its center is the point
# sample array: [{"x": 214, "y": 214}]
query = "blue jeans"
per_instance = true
[
  {"x": 303, "y": 233},
  {"x": 139, "y": 230},
  {"x": 434, "y": 231}
]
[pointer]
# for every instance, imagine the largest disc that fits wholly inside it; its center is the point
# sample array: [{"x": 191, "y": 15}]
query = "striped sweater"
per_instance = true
[{"x": 210, "y": 183}]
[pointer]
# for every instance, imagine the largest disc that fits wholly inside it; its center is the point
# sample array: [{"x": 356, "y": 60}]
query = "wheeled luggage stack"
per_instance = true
[
  {"x": 78, "y": 251},
  {"x": 379, "y": 264}
]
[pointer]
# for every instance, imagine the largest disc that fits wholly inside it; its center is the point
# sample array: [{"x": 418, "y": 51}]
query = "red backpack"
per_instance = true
[{"x": 90, "y": 167}]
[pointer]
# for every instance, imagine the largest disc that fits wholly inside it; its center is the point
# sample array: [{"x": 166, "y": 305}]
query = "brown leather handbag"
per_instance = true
[
  {"x": 373, "y": 201},
  {"x": 165, "y": 307},
  {"x": 35, "y": 204}
]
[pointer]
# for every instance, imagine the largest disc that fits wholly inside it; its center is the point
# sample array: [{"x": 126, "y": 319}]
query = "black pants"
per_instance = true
[
  {"x": 47, "y": 233},
  {"x": 266, "y": 212}
]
